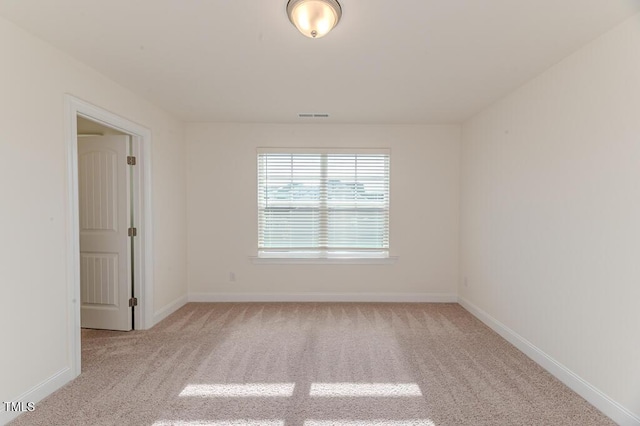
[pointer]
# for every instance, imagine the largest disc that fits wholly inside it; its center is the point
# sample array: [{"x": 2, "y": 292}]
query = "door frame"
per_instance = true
[{"x": 142, "y": 212}]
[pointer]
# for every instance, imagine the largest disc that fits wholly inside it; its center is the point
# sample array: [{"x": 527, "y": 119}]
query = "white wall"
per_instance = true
[
  {"x": 222, "y": 214},
  {"x": 33, "y": 194},
  {"x": 550, "y": 222}
]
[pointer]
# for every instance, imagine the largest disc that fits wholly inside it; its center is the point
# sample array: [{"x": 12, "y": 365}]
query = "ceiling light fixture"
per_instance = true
[{"x": 314, "y": 18}]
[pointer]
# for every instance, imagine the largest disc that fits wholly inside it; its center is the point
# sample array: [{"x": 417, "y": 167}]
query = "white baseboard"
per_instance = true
[
  {"x": 38, "y": 393},
  {"x": 169, "y": 309},
  {"x": 325, "y": 297},
  {"x": 597, "y": 398}
]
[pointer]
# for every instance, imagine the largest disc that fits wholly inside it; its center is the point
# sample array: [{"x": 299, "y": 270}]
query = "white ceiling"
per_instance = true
[{"x": 413, "y": 61}]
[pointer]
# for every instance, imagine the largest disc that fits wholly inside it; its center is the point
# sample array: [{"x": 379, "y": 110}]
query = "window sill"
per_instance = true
[{"x": 266, "y": 260}]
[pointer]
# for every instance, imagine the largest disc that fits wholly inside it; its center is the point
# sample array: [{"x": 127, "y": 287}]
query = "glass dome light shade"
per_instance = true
[{"x": 314, "y": 18}]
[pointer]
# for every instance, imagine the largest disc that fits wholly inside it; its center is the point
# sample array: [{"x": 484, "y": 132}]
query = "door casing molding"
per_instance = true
[{"x": 143, "y": 247}]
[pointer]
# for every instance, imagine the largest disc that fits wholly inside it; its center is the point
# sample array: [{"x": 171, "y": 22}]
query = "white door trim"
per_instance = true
[{"x": 143, "y": 248}]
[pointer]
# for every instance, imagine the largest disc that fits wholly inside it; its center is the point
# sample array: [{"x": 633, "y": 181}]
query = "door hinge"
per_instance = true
[
  {"x": 131, "y": 160},
  {"x": 133, "y": 232},
  {"x": 133, "y": 302}
]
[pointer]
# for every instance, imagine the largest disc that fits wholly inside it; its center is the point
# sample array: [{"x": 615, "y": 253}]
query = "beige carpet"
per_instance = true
[{"x": 311, "y": 364}]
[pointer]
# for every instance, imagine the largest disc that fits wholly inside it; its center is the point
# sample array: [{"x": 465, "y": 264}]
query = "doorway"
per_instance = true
[
  {"x": 83, "y": 118},
  {"x": 107, "y": 227}
]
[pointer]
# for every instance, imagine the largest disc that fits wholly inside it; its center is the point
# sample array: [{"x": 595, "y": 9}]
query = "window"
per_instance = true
[{"x": 323, "y": 204}]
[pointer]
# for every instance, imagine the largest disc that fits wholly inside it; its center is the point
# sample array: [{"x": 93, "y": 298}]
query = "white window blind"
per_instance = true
[{"x": 323, "y": 204}]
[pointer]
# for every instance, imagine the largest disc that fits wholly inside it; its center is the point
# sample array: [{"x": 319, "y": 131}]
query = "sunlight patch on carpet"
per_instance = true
[
  {"x": 242, "y": 422},
  {"x": 365, "y": 389},
  {"x": 239, "y": 390},
  {"x": 370, "y": 422}
]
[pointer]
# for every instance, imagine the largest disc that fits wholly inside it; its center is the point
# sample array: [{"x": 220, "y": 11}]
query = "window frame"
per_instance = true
[{"x": 359, "y": 255}]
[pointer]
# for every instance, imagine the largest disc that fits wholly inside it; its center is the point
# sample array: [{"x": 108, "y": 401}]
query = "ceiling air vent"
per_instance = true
[{"x": 312, "y": 115}]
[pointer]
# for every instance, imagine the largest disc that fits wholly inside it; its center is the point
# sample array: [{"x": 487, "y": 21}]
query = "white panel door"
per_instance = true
[{"x": 105, "y": 252}]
